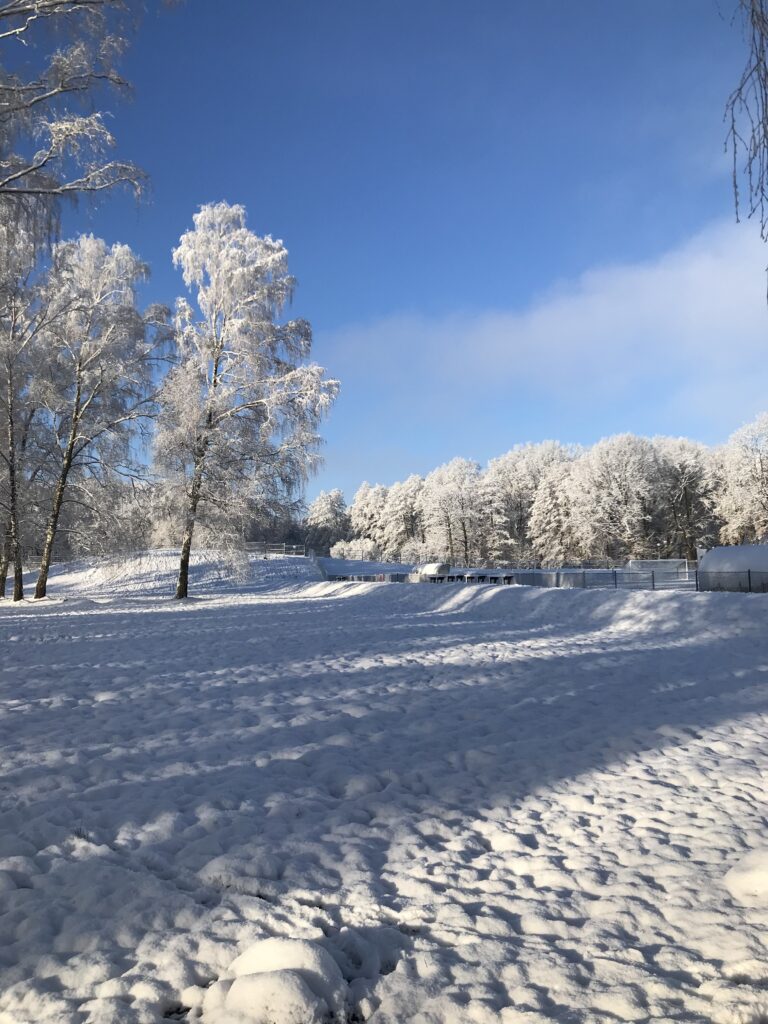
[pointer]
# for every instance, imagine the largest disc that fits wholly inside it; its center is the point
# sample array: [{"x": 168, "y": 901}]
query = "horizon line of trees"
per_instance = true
[{"x": 553, "y": 504}]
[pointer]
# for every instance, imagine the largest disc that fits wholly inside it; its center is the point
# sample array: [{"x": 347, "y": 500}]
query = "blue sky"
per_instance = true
[{"x": 510, "y": 220}]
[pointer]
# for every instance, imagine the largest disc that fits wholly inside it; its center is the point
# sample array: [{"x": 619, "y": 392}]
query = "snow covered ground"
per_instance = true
[{"x": 293, "y": 801}]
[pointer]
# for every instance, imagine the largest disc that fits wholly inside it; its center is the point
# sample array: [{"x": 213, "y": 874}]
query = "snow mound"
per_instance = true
[
  {"x": 747, "y": 881},
  {"x": 750, "y": 1008},
  {"x": 154, "y": 573},
  {"x": 278, "y": 981}
]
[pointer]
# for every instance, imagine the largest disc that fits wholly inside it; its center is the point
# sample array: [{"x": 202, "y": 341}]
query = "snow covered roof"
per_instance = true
[
  {"x": 433, "y": 569},
  {"x": 735, "y": 558}
]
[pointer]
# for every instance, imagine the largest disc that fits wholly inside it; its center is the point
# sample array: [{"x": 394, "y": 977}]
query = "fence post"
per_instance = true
[
  {"x": 584, "y": 580},
  {"x": 749, "y": 579},
  {"x": 696, "y": 578},
  {"x": 653, "y": 580},
  {"x": 615, "y": 580}
]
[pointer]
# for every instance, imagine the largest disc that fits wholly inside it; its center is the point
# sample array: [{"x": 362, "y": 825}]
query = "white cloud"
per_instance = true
[{"x": 692, "y": 322}]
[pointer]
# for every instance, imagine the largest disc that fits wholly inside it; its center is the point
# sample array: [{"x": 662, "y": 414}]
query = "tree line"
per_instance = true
[{"x": 551, "y": 504}]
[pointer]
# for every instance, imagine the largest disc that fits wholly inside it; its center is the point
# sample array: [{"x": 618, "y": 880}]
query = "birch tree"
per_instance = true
[
  {"x": 747, "y": 117},
  {"x": 24, "y": 313},
  {"x": 241, "y": 407},
  {"x": 51, "y": 147},
  {"x": 95, "y": 391}
]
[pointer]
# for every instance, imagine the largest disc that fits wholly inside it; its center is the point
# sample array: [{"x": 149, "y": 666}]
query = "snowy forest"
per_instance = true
[{"x": 553, "y": 504}]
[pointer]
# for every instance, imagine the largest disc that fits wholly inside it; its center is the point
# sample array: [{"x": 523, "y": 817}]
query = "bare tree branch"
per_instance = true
[{"x": 746, "y": 114}]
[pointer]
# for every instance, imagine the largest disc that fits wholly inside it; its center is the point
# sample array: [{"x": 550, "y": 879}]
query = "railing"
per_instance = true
[
  {"x": 262, "y": 547},
  {"x": 587, "y": 579},
  {"x": 749, "y": 581}
]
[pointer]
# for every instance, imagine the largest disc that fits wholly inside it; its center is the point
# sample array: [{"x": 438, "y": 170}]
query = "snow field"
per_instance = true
[
  {"x": 154, "y": 572},
  {"x": 287, "y": 802}
]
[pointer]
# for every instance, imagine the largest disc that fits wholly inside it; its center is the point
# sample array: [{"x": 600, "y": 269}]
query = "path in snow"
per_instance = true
[{"x": 486, "y": 805}]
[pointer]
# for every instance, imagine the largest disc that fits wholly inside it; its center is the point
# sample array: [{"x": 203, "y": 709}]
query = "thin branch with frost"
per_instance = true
[{"x": 746, "y": 114}]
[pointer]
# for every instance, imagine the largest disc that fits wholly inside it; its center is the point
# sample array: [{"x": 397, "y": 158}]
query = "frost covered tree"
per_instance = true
[
  {"x": 358, "y": 549},
  {"x": 95, "y": 389},
  {"x": 686, "y": 493},
  {"x": 367, "y": 515},
  {"x": 454, "y": 511},
  {"x": 614, "y": 498},
  {"x": 550, "y": 526},
  {"x": 327, "y": 519},
  {"x": 26, "y": 310},
  {"x": 402, "y": 527},
  {"x": 51, "y": 144},
  {"x": 510, "y": 484},
  {"x": 241, "y": 407},
  {"x": 741, "y": 499},
  {"x": 15, "y": 365}
]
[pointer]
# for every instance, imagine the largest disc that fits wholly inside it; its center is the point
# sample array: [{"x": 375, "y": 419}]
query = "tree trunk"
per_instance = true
[
  {"x": 13, "y": 496},
  {"x": 182, "y": 586},
  {"x": 61, "y": 487},
  {"x": 465, "y": 541},
  {"x": 5, "y": 560},
  {"x": 450, "y": 540},
  {"x": 201, "y": 446},
  {"x": 690, "y": 536},
  {"x": 53, "y": 520}
]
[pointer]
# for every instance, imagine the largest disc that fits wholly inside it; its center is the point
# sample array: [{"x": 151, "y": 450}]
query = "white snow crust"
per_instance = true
[
  {"x": 288, "y": 801},
  {"x": 747, "y": 881}
]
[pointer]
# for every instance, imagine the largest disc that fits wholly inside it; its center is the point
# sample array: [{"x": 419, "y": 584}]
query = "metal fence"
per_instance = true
[
  {"x": 262, "y": 547},
  {"x": 750, "y": 581},
  {"x": 587, "y": 579}
]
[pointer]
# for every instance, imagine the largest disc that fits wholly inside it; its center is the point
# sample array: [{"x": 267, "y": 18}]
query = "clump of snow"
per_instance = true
[
  {"x": 279, "y": 981},
  {"x": 747, "y": 881},
  {"x": 274, "y": 997},
  {"x": 433, "y": 569}
]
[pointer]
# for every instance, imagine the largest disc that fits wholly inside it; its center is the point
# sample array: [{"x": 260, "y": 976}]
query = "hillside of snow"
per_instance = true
[
  {"x": 288, "y": 801},
  {"x": 149, "y": 573}
]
